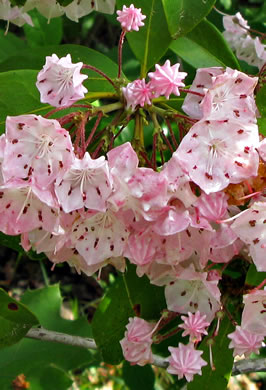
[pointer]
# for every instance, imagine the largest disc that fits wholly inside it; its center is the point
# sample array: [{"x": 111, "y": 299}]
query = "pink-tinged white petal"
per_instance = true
[
  {"x": 123, "y": 161},
  {"x": 137, "y": 93},
  {"x": 254, "y": 313},
  {"x": 185, "y": 361},
  {"x": 262, "y": 149},
  {"x": 235, "y": 24},
  {"x": 36, "y": 148},
  {"x": 2, "y": 149},
  {"x": 213, "y": 206},
  {"x": 203, "y": 81},
  {"x": 192, "y": 292},
  {"x": 136, "y": 344},
  {"x": 60, "y": 81},
  {"x": 250, "y": 228},
  {"x": 99, "y": 237},
  {"x": 245, "y": 342},
  {"x": 216, "y": 153},
  {"x": 248, "y": 48},
  {"x": 166, "y": 79},
  {"x": 87, "y": 183},
  {"x": 130, "y": 18},
  {"x": 195, "y": 326}
]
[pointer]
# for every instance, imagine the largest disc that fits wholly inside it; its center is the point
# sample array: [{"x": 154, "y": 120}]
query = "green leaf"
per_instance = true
[
  {"x": 262, "y": 126},
  {"x": 260, "y": 101},
  {"x": 43, "y": 32},
  {"x": 205, "y": 46},
  {"x": 18, "y": 2},
  {"x": 183, "y": 15},
  {"x": 64, "y": 3},
  {"x": 138, "y": 378},
  {"x": 15, "y": 319},
  {"x": 12, "y": 242},
  {"x": 111, "y": 317},
  {"x": 253, "y": 277},
  {"x": 10, "y": 45},
  {"x": 33, "y": 357},
  {"x": 150, "y": 43},
  {"x": 222, "y": 358}
]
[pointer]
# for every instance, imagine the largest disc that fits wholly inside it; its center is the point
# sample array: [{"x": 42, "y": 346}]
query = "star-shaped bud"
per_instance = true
[{"x": 130, "y": 18}]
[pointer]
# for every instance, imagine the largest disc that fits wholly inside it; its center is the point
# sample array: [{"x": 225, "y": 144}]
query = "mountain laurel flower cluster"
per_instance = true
[
  {"x": 247, "y": 48},
  {"x": 180, "y": 211}
]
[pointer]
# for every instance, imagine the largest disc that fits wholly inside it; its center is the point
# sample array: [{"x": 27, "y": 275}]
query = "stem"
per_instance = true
[
  {"x": 171, "y": 133},
  {"x": 66, "y": 107},
  {"x": 44, "y": 274},
  {"x": 138, "y": 134},
  {"x": 128, "y": 293},
  {"x": 154, "y": 147},
  {"x": 85, "y": 66},
  {"x": 98, "y": 120},
  {"x": 96, "y": 151},
  {"x": 145, "y": 157},
  {"x": 166, "y": 140},
  {"x": 120, "y": 48},
  {"x": 107, "y": 108},
  {"x": 160, "y": 338}
]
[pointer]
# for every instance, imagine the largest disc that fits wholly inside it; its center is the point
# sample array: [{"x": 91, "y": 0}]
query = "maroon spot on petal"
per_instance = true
[
  {"x": 30, "y": 171},
  {"x": 60, "y": 164},
  {"x": 60, "y": 101},
  {"x": 98, "y": 191},
  {"x": 188, "y": 233},
  {"x": 243, "y": 96},
  {"x": 19, "y": 155},
  {"x": 92, "y": 4},
  {"x": 196, "y": 305},
  {"x": 49, "y": 92},
  {"x": 238, "y": 80},
  {"x": 264, "y": 221},
  {"x": 241, "y": 131},
  {"x": 25, "y": 166},
  {"x": 52, "y": 211},
  {"x": 81, "y": 237},
  {"x": 42, "y": 81},
  {"x": 189, "y": 151},
  {"x": 8, "y": 205},
  {"x": 225, "y": 121},
  {"x": 246, "y": 149},
  {"x": 207, "y": 122},
  {"x": 195, "y": 135},
  {"x": 171, "y": 283},
  {"x": 255, "y": 211},
  {"x": 50, "y": 143},
  {"x": 86, "y": 229},
  {"x": 1, "y": 194},
  {"x": 111, "y": 248},
  {"x": 122, "y": 239},
  {"x": 190, "y": 303},
  {"x": 239, "y": 164},
  {"x": 183, "y": 293},
  {"x": 25, "y": 210},
  {"x": 68, "y": 150},
  {"x": 210, "y": 304},
  {"x": 92, "y": 228},
  {"x": 69, "y": 192},
  {"x": 252, "y": 222},
  {"x": 208, "y": 176},
  {"x": 40, "y": 216},
  {"x": 12, "y": 306},
  {"x": 256, "y": 241},
  {"x": 200, "y": 86},
  {"x": 96, "y": 243},
  {"x": 195, "y": 167},
  {"x": 49, "y": 169},
  {"x": 226, "y": 175},
  {"x": 20, "y": 126},
  {"x": 14, "y": 141},
  {"x": 164, "y": 241},
  {"x": 84, "y": 197},
  {"x": 262, "y": 311},
  {"x": 236, "y": 112},
  {"x": 75, "y": 252},
  {"x": 51, "y": 236}
]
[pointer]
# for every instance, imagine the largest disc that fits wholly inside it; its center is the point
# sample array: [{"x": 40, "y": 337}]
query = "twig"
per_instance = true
[{"x": 240, "y": 367}]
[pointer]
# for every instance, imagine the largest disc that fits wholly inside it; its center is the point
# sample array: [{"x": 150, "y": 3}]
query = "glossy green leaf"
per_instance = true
[
  {"x": 183, "y": 15},
  {"x": 261, "y": 101},
  {"x": 152, "y": 40},
  {"x": 12, "y": 242},
  {"x": 34, "y": 358},
  {"x": 64, "y": 3},
  {"x": 262, "y": 126},
  {"x": 205, "y": 46},
  {"x": 10, "y": 45},
  {"x": 254, "y": 278},
  {"x": 15, "y": 319},
  {"x": 43, "y": 32},
  {"x": 138, "y": 378},
  {"x": 111, "y": 317},
  {"x": 222, "y": 359},
  {"x": 18, "y": 2}
]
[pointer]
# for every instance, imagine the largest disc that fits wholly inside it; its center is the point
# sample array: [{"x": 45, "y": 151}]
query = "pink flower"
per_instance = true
[
  {"x": 250, "y": 228},
  {"x": 254, "y": 313},
  {"x": 136, "y": 344},
  {"x": 36, "y": 148},
  {"x": 130, "y": 18},
  {"x": 262, "y": 149},
  {"x": 60, "y": 81},
  {"x": 137, "y": 92},
  {"x": 185, "y": 361},
  {"x": 216, "y": 153},
  {"x": 194, "y": 326},
  {"x": 87, "y": 183},
  {"x": 245, "y": 342},
  {"x": 166, "y": 79}
]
